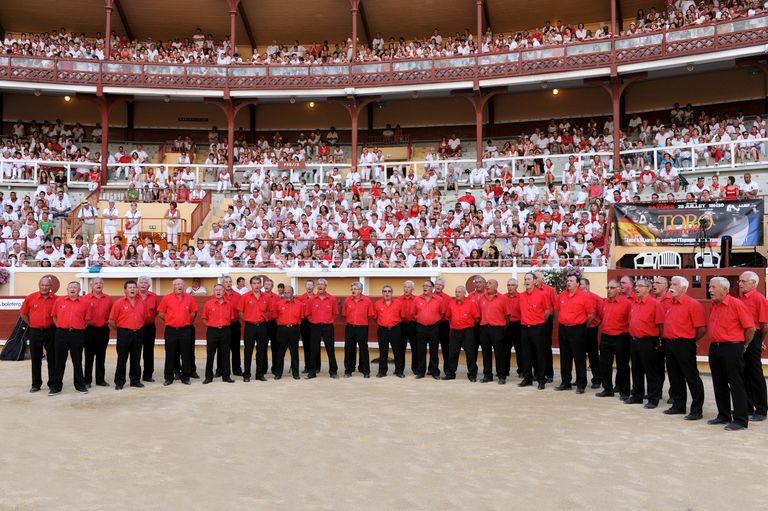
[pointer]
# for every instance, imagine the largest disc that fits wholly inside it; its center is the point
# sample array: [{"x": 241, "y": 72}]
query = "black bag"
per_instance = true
[{"x": 15, "y": 346}]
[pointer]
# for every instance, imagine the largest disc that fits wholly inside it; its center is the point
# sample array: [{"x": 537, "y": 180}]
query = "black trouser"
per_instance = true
[
  {"x": 573, "y": 349},
  {"x": 444, "y": 332},
  {"x": 427, "y": 336},
  {"x": 217, "y": 341},
  {"x": 191, "y": 355},
  {"x": 306, "y": 342},
  {"x": 147, "y": 346},
  {"x": 129, "y": 343},
  {"x": 681, "y": 364},
  {"x": 40, "y": 338},
  {"x": 726, "y": 361},
  {"x": 255, "y": 335},
  {"x": 234, "y": 348},
  {"x": 593, "y": 355},
  {"x": 287, "y": 339},
  {"x": 462, "y": 339},
  {"x": 661, "y": 367},
  {"x": 391, "y": 336},
  {"x": 615, "y": 346},
  {"x": 549, "y": 371},
  {"x": 68, "y": 341},
  {"x": 408, "y": 338},
  {"x": 354, "y": 336},
  {"x": 179, "y": 342},
  {"x": 645, "y": 366},
  {"x": 492, "y": 339},
  {"x": 754, "y": 379},
  {"x": 533, "y": 352},
  {"x": 512, "y": 339},
  {"x": 272, "y": 337},
  {"x": 96, "y": 342},
  {"x": 323, "y": 332}
]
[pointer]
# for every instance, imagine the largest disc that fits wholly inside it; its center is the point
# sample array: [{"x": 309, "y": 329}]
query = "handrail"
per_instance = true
[{"x": 482, "y": 65}]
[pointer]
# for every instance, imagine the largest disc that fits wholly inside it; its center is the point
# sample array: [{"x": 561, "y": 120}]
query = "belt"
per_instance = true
[
  {"x": 576, "y": 324},
  {"x": 495, "y": 326},
  {"x": 646, "y": 338},
  {"x": 427, "y": 326},
  {"x": 724, "y": 343},
  {"x": 321, "y": 324},
  {"x": 255, "y": 324},
  {"x": 129, "y": 329},
  {"x": 42, "y": 328},
  {"x": 679, "y": 339},
  {"x": 531, "y": 326},
  {"x": 292, "y": 325},
  {"x": 389, "y": 327},
  {"x": 177, "y": 327},
  {"x": 218, "y": 327},
  {"x": 72, "y": 329}
]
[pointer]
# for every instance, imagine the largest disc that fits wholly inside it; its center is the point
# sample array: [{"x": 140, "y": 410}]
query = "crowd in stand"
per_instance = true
[{"x": 204, "y": 49}]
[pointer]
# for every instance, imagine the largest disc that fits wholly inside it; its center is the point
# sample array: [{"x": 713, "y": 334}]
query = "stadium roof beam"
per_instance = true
[
  {"x": 364, "y": 22},
  {"x": 123, "y": 18},
  {"x": 246, "y": 24},
  {"x": 486, "y": 15}
]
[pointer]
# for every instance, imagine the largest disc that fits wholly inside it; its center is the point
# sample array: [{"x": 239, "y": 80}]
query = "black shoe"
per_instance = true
[
  {"x": 87, "y": 385},
  {"x": 674, "y": 411},
  {"x": 138, "y": 385},
  {"x": 616, "y": 389},
  {"x": 579, "y": 390},
  {"x": 525, "y": 383},
  {"x": 104, "y": 384},
  {"x": 237, "y": 372},
  {"x": 311, "y": 375},
  {"x": 82, "y": 390},
  {"x": 278, "y": 376},
  {"x": 650, "y": 405},
  {"x": 634, "y": 401},
  {"x": 246, "y": 379},
  {"x": 693, "y": 417},
  {"x": 716, "y": 421},
  {"x": 542, "y": 386},
  {"x": 400, "y": 375},
  {"x": 186, "y": 381},
  {"x": 118, "y": 387},
  {"x": 502, "y": 381},
  {"x": 149, "y": 380},
  {"x": 207, "y": 381},
  {"x": 54, "y": 392},
  {"x": 228, "y": 380},
  {"x": 624, "y": 397},
  {"x": 347, "y": 375},
  {"x": 260, "y": 377},
  {"x": 733, "y": 426},
  {"x": 446, "y": 377},
  {"x": 605, "y": 393},
  {"x": 563, "y": 386},
  {"x": 167, "y": 382},
  {"x": 419, "y": 376},
  {"x": 367, "y": 375},
  {"x": 335, "y": 376},
  {"x": 304, "y": 371},
  {"x": 195, "y": 375},
  {"x": 34, "y": 388},
  {"x": 758, "y": 417},
  {"x": 436, "y": 376},
  {"x": 473, "y": 379},
  {"x": 486, "y": 380},
  {"x": 670, "y": 401},
  {"x": 295, "y": 376},
  {"x": 596, "y": 385},
  {"x": 217, "y": 374},
  {"x": 381, "y": 375},
  {"x": 177, "y": 376},
  {"x": 549, "y": 379}
]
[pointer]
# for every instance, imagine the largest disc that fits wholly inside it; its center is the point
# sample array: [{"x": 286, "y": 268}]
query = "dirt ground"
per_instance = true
[{"x": 363, "y": 444}]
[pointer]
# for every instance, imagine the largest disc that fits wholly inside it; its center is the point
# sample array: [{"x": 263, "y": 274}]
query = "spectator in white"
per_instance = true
[
  {"x": 111, "y": 218},
  {"x": 60, "y": 205},
  {"x": 143, "y": 156},
  {"x": 198, "y": 193},
  {"x": 332, "y": 137},
  {"x": 132, "y": 222},
  {"x": 477, "y": 177},
  {"x": 197, "y": 288},
  {"x": 467, "y": 244},
  {"x": 224, "y": 181},
  {"x": 748, "y": 189},
  {"x": 173, "y": 222},
  {"x": 594, "y": 253},
  {"x": 531, "y": 192},
  {"x": 454, "y": 145},
  {"x": 88, "y": 214},
  {"x": 187, "y": 177},
  {"x": 668, "y": 176},
  {"x": 647, "y": 178},
  {"x": 78, "y": 133},
  {"x": 48, "y": 252}
]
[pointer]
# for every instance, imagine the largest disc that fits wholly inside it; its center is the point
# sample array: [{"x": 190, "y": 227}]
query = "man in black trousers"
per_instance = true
[
  {"x": 71, "y": 314},
  {"x": 36, "y": 312},
  {"x": 217, "y": 315},
  {"x": 128, "y": 318}
]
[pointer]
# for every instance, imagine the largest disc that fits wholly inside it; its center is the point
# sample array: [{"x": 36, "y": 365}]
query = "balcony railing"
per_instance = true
[{"x": 622, "y": 50}]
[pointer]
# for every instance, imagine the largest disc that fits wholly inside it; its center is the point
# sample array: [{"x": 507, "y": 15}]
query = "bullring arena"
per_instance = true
[{"x": 343, "y": 255}]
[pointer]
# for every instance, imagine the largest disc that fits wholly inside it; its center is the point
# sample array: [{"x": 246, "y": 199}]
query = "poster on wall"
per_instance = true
[{"x": 689, "y": 223}]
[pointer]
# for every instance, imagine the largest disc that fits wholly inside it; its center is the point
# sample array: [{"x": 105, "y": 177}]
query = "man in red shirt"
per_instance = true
[
  {"x": 551, "y": 295},
  {"x": 288, "y": 313},
  {"x": 357, "y": 311},
  {"x": 443, "y": 328},
  {"x": 407, "y": 327},
  {"x": 128, "y": 317},
  {"x": 534, "y": 312},
  {"x": 178, "y": 310},
  {"x": 36, "y": 312},
  {"x": 684, "y": 326},
  {"x": 254, "y": 312},
  {"x": 493, "y": 323},
  {"x": 235, "y": 330},
  {"x": 70, "y": 314},
  {"x": 660, "y": 291},
  {"x": 217, "y": 315},
  {"x": 322, "y": 310},
  {"x": 614, "y": 342},
  {"x": 428, "y": 312},
  {"x": 730, "y": 327},
  {"x": 757, "y": 399},
  {"x": 149, "y": 331},
  {"x": 593, "y": 353},
  {"x": 389, "y": 315},
  {"x": 306, "y": 332},
  {"x": 269, "y": 284},
  {"x": 512, "y": 333},
  {"x": 575, "y": 310},
  {"x": 628, "y": 288},
  {"x": 462, "y": 314},
  {"x": 646, "y": 324},
  {"x": 97, "y": 333}
]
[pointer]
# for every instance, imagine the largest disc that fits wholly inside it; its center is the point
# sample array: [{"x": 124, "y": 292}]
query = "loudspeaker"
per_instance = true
[{"x": 726, "y": 244}]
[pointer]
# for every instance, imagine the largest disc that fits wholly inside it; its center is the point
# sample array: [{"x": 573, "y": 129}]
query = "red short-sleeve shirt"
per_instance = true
[
  {"x": 645, "y": 317},
  {"x": 728, "y": 320},
  {"x": 683, "y": 317}
]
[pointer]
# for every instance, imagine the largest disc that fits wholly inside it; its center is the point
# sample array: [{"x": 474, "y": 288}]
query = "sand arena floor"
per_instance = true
[{"x": 363, "y": 444}]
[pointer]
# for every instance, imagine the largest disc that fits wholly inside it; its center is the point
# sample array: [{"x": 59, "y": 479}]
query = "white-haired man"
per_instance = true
[{"x": 754, "y": 380}]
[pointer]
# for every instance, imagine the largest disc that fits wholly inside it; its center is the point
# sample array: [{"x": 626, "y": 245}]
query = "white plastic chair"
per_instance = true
[
  {"x": 645, "y": 260},
  {"x": 707, "y": 260},
  {"x": 668, "y": 260}
]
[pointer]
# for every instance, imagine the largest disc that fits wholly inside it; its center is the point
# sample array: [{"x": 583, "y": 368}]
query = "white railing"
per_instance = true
[{"x": 25, "y": 171}]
